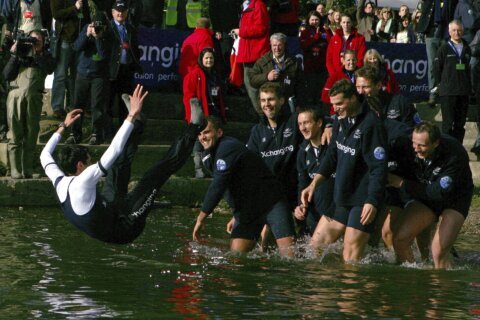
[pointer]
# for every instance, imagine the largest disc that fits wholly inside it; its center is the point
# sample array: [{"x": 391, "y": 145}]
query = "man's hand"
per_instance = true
[
  {"x": 230, "y": 225},
  {"x": 136, "y": 102},
  {"x": 394, "y": 181},
  {"x": 79, "y": 4},
  {"x": 198, "y": 225},
  {"x": 272, "y": 75},
  {"x": 91, "y": 30},
  {"x": 368, "y": 214},
  {"x": 13, "y": 48},
  {"x": 299, "y": 212},
  {"x": 327, "y": 135},
  {"x": 72, "y": 116}
]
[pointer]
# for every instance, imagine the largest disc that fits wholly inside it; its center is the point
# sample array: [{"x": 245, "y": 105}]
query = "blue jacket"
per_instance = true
[
  {"x": 94, "y": 54},
  {"x": 358, "y": 155},
  {"x": 252, "y": 188}
]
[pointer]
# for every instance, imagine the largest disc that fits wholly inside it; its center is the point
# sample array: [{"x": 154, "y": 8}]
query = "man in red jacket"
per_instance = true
[
  {"x": 254, "y": 40},
  {"x": 202, "y": 37},
  {"x": 345, "y": 38}
]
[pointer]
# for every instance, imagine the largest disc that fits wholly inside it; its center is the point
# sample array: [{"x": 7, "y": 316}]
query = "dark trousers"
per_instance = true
[
  {"x": 123, "y": 84},
  {"x": 93, "y": 92},
  {"x": 454, "y": 115},
  {"x": 132, "y": 208}
]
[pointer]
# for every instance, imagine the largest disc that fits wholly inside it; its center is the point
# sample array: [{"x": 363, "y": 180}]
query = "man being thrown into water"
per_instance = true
[{"x": 113, "y": 215}]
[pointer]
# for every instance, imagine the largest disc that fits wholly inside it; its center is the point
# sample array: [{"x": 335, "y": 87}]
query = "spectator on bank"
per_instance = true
[
  {"x": 93, "y": 46},
  {"x": 405, "y": 33},
  {"x": 452, "y": 77},
  {"x": 330, "y": 18},
  {"x": 254, "y": 33},
  {"x": 284, "y": 15},
  {"x": 26, "y": 15},
  {"x": 201, "y": 38},
  {"x": 335, "y": 22},
  {"x": 366, "y": 20},
  {"x": 345, "y": 38},
  {"x": 26, "y": 70},
  {"x": 322, "y": 10},
  {"x": 314, "y": 42},
  {"x": 124, "y": 62},
  {"x": 280, "y": 67},
  {"x": 468, "y": 14},
  {"x": 203, "y": 86},
  {"x": 349, "y": 63},
  {"x": 433, "y": 24},
  {"x": 69, "y": 17},
  {"x": 151, "y": 14},
  {"x": 385, "y": 26},
  {"x": 419, "y": 37},
  {"x": 384, "y": 73}
]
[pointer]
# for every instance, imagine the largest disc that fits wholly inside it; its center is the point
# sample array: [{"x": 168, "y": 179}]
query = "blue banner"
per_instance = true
[
  {"x": 409, "y": 63},
  {"x": 160, "y": 56}
]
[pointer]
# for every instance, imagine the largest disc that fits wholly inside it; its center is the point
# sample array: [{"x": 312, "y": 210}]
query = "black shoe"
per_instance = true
[
  {"x": 71, "y": 139},
  {"x": 94, "y": 140}
]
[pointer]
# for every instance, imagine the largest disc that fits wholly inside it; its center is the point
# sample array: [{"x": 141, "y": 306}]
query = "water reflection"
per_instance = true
[{"x": 49, "y": 270}]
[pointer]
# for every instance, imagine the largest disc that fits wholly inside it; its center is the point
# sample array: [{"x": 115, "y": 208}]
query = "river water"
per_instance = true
[{"x": 49, "y": 270}]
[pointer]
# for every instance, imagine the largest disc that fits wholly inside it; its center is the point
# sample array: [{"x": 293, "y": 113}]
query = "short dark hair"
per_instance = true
[
  {"x": 216, "y": 122},
  {"x": 316, "y": 113},
  {"x": 368, "y": 72},
  {"x": 271, "y": 87},
  {"x": 69, "y": 156},
  {"x": 343, "y": 86},
  {"x": 202, "y": 53},
  {"x": 430, "y": 128},
  {"x": 314, "y": 14}
]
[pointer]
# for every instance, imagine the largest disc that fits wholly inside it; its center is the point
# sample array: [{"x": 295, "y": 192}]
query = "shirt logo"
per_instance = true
[
  {"x": 357, "y": 134},
  {"x": 221, "y": 165},
  {"x": 345, "y": 149},
  {"x": 436, "y": 171},
  {"x": 446, "y": 182},
  {"x": 379, "y": 153},
  {"x": 308, "y": 162},
  {"x": 393, "y": 114},
  {"x": 287, "y": 133},
  {"x": 264, "y": 139}
]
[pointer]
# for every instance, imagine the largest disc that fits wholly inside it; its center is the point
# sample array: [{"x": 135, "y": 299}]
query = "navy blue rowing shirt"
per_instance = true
[
  {"x": 357, "y": 153},
  {"x": 252, "y": 187}
]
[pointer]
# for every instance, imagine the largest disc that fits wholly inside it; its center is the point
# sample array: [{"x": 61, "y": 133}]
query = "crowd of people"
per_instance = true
[{"x": 338, "y": 151}]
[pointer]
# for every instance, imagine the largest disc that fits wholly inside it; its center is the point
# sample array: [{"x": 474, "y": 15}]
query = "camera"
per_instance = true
[
  {"x": 98, "y": 26},
  {"x": 25, "y": 44}
]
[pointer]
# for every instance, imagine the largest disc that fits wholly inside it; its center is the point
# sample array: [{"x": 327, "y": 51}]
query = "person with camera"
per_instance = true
[
  {"x": 26, "y": 15},
  {"x": 26, "y": 70},
  {"x": 93, "y": 46},
  {"x": 69, "y": 17}
]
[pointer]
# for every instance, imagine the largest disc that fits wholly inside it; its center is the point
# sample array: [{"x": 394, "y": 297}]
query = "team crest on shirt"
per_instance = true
[
  {"x": 445, "y": 182},
  {"x": 221, "y": 165},
  {"x": 357, "y": 134},
  {"x": 308, "y": 162},
  {"x": 436, "y": 171},
  {"x": 264, "y": 139},
  {"x": 379, "y": 153},
  {"x": 287, "y": 132}
]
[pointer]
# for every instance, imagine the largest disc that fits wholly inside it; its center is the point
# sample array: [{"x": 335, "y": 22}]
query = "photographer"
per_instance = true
[
  {"x": 26, "y": 70},
  {"x": 93, "y": 46}
]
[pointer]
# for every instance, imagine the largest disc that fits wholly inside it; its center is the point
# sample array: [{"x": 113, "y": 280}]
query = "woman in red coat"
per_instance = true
[
  {"x": 314, "y": 41},
  {"x": 385, "y": 74},
  {"x": 202, "y": 85},
  {"x": 338, "y": 45}
]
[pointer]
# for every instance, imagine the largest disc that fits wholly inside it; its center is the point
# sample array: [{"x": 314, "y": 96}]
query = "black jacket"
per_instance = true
[
  {"x": 450, "y": 81},
  {"x": 308, "y": 162},
  {"x": 252, "y": 188},
  {"x": 44, "y": 62},
  {"x": 427, "y": 25},
  {"x": 93, "y": 54},
  {"x": 278, "y": 148},
  {"x": 396, "y": 107},
  {"x": 440, "y": 180},
  {"x": 358, "y": 155},
  {"x": 133, "y": 53}
]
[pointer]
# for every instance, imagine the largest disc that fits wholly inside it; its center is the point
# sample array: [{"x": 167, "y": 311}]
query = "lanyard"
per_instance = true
[{"x": 457, "y": 54}]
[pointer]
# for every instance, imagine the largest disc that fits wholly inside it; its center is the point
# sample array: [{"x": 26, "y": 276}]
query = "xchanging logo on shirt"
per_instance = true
[
  {"x": 345, "y": 149},
  {"x": 278, "y": 152}
]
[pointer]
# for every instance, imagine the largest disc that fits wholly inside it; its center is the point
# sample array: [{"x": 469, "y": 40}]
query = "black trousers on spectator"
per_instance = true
[
  {"x": 454, "y": 115},
  {"x": 93, "y": 92}
]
